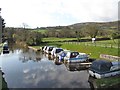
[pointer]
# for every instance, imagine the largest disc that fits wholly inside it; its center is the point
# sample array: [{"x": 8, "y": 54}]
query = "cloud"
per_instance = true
[{"x": 57, "y": 12}]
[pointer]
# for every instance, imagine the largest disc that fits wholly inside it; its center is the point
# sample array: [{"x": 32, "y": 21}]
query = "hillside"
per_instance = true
[{"x": 103, "y": 25}]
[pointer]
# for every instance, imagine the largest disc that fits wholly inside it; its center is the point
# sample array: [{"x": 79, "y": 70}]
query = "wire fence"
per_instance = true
[{"x": 105, "y": 45}]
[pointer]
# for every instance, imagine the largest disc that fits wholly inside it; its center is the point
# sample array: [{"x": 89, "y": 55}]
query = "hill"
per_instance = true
[{"x": 103, "y": 25}]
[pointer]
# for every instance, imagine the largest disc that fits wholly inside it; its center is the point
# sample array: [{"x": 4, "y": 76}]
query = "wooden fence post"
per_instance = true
[
  {"x": 111, "y": 45},
  {"x": 105, "y": 46}
]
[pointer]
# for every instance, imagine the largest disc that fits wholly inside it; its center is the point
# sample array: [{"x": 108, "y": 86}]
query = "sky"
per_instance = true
[{"x": 42, "y": 13}]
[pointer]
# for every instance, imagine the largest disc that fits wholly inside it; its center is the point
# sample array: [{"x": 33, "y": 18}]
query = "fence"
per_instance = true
[{"x": 94, "y": 44}]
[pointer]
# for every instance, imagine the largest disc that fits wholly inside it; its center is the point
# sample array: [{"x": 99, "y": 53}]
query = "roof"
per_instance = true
[{"x": 101, "y": 66}]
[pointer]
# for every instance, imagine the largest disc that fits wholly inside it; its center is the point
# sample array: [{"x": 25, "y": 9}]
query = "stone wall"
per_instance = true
[{"x": 110, "y": 57}]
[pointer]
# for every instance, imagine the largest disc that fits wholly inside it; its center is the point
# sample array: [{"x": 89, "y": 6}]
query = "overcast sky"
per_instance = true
[{"x": 41, "y": 13}]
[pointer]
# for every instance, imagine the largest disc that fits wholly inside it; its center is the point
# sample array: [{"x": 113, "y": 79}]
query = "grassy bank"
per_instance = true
[
  {"x": 94, "y": 51},
  {"x": 107, "y": 82},
  {"x": 1, "y": 47},
  {"x": 1, "y": 44}
]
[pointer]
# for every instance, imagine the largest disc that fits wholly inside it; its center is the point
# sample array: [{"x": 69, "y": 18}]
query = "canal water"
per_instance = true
[{"x": 25, "y": 68}]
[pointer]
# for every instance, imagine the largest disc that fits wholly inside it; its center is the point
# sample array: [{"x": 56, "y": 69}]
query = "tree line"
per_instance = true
[
  {"x": 91, "y": 31},
  {"x": 23, "y": 35},
  {"x": 32, "y": 37}
]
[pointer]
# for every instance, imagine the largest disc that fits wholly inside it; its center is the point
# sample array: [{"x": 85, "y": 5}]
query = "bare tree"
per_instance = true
[{"x": 24, "y": 25}]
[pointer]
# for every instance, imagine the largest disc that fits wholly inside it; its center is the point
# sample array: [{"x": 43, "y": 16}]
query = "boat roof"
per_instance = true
[{"x": 101, "y": 66}]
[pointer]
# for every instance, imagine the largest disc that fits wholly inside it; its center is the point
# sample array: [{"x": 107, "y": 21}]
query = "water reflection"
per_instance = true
[
  {"x": 29, "y": 69},
  {"x": 75, "y": 66},
  {"x": 27, "y": 55},
  {"x": 55, "y": 60},
  {"x": 53, "y": 77},
  {"x": 49, "y": 57}
]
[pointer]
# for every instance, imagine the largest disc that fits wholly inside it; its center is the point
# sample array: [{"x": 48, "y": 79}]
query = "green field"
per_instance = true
[
  {"x": 53, "y": 39},
  {"x": 92, "y": 50},
  {"x": 104, "y": 43},
  {"x": 41, "y": 31}
]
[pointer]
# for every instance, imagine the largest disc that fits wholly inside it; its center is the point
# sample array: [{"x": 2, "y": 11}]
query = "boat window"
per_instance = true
[
  {"x": 5, "y": 48},
  {"x": 58, "y": 50},
  {"x": 104, "y": 68},
  {"x": 74, "y": 54}
]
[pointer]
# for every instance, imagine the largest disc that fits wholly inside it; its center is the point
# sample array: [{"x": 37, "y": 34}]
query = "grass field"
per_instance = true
[
  {"x": 94, "y": 51},
  {"x": 53, "y": 39},
  {"x": 41, "y": 31},
  {"x": 105, "y": 43}
]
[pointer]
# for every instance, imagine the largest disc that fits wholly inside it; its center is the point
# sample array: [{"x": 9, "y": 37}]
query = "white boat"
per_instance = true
[
  {"x": 49, "y": 49},
  {"x": 102, "y": 69},
  {"x": 74, "y": 56},
  {"x": 44, "y": 49},
  {"x": 56, "y": 51}
]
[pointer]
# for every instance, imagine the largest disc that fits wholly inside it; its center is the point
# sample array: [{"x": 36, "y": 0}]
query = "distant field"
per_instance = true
[
  {"x": 42, "y": 31},
  {"x": 53, "y": 39},
  {"x": 104, "y": 43},
  {"x": 108, "y": 41}
]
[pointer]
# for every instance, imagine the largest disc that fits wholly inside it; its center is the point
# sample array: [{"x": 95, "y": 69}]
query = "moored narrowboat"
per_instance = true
[
  {"x": 102, "y": 68},
  {"x": 74, "y": 56}
]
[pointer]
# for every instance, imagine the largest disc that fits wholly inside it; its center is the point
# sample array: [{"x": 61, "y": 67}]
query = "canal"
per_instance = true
[{"x": 24, "y": 68}]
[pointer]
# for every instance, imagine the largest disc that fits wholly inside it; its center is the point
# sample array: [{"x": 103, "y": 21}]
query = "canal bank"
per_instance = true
[
  {"x": 33, "y": 48},
  {"x": 111, "y": 82}
]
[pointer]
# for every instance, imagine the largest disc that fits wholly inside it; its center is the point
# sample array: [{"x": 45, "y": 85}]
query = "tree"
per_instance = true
[
  {"x": 24, "y": 25},
  {"x": 115, "y": 35},
  {"x": 78, "y": 35},
  {"x": 91, "y": 30},
  {"x": 37, "y": 38}
]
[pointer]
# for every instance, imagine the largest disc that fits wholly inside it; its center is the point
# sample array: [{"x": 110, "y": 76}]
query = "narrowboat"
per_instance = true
[
  {"x": 5, "y": 49},
  {"x": 56, "y": 51},
  {"x": 49, "y": 49},
  {"x": 61, "y": 55},
  {"x": 73, "y": 56},
  {"x": 103, "y": 68}
]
